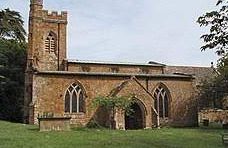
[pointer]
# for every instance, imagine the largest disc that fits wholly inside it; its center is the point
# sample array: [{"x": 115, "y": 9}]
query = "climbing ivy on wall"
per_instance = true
[{"x": 113, "y": 103}]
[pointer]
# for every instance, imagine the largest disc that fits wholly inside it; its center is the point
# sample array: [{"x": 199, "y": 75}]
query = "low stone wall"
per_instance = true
[
  {"x": 54, "y": 124},
  {"x": 210, "y": 116}
]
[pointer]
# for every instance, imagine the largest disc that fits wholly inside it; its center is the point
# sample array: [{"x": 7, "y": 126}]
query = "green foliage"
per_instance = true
[
  {"x": 113, "y": 104},
  {"x": 27, "y": 136},
  {"x": 223, "y": 67},
  {"x": 217, "y": 21},
  {"x": 12, "y": 65},
  {"x": 123, "y": 102},
  {"x": 11, "y": 25},
  {"x": 12, "y": 61},
  {"x": 214, "y": 89}
]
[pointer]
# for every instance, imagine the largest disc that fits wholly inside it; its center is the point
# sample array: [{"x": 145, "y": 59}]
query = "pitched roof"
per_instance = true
[{"x": 200, "y": 73}]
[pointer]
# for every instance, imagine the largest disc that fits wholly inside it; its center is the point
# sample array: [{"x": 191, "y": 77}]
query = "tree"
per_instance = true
[
  {"x": 13, "y": 61},
  {"x": 11, "y": 25},
  {"x": 215, "y": 88},
  {"x": 12, "y": 65},
  {"x": 217, "y": 21}
]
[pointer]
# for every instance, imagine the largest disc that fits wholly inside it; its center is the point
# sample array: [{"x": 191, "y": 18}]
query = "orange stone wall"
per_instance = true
[
  {"x": 108, "y": 68},
  {"x": 49, "y": 91}
]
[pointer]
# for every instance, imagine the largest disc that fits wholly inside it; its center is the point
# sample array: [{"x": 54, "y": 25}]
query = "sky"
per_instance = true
[{"x": 131, "y": 30}]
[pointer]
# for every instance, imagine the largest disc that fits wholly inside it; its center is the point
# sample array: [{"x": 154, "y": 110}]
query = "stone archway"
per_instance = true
[{"x": 136, "y": 119}]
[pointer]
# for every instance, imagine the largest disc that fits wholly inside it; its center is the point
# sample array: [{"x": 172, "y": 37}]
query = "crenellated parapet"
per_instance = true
[
  {"x": 54, "y": 16},
  {"x": 49, "y": 16},
  {"x": 38, "y": 13}
]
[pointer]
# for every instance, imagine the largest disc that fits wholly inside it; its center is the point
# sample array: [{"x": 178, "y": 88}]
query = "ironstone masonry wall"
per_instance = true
[
  {"x": 213, "y": 116},
  {"x": 49, "y": 90},
  {"x": 80, "y": 67}
]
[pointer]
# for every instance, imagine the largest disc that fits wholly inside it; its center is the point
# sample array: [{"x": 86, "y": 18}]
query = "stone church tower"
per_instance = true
[
  {"x": 47, "y": 38},
  {"x": 46, "y": 44}
]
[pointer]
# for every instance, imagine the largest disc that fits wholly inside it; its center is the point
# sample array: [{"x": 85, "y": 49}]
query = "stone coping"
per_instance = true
[
  {"x": 115, "y": 74},
  {"x": 153, "y": 64},
  {"x": 54, "y": 118}
]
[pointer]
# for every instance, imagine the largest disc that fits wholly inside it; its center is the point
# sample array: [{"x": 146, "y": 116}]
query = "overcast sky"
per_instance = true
[{"x": 131, "y": 30}]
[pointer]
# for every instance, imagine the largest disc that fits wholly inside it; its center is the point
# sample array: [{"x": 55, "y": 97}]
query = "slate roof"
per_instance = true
[{"x": 200, "y": 73}]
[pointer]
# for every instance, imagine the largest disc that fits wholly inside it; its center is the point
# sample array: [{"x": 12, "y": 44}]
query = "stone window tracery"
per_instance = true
[
  {"x": 161, "y": 102},
  {"x": 74, "y": 99},
  {"x": 50, "y": 43}
]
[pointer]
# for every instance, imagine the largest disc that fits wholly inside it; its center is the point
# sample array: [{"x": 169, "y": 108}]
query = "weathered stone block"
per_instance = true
[{"x": 54, "y": 124}]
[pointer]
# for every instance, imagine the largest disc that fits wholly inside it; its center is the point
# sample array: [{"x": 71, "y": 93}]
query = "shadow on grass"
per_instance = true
[{"x": 86, "y": 129}]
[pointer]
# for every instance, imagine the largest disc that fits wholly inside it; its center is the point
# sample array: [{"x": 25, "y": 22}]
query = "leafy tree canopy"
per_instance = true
[
  {"x": 12, "y": 61},
  {"x": 214, "y": 89},
  {"x": 11, "y": 25},
  {"x": 217, "y": 21},
  {"x": 12, "y": 65}
]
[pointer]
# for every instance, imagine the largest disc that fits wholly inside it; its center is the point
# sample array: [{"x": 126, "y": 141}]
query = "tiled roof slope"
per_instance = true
[{"x": 200, "y": 73}]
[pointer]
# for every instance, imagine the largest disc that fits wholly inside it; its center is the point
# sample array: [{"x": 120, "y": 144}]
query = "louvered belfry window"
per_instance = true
[{"x": 50, "y": 43}]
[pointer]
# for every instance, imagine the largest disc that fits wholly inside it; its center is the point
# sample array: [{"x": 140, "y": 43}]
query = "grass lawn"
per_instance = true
[{"x": 26, "y": 136}]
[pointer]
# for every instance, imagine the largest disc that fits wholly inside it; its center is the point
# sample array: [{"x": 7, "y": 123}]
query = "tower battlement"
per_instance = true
[
  {"x": 37, "y": 11},
  {"x": 54, "y": 15}
]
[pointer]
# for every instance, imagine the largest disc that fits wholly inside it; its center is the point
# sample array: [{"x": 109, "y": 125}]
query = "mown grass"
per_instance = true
[{"x": 26, "y": 136}]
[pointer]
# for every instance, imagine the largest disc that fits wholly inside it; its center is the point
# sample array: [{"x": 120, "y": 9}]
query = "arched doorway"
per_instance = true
[{"x": 136, "y": 119}]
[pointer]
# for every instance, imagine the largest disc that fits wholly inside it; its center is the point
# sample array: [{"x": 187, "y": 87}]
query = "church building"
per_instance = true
[{"x": 66, "y": 88}]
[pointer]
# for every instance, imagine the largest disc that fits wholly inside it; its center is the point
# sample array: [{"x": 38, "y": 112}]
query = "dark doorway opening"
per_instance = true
[{"x": 135, "y": 119}]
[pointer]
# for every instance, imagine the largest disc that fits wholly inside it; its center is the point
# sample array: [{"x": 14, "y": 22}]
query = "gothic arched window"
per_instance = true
[
  {"x": 161, "y": 101},
  {"x": 75, "y": 99},
  {"x": 50, "y": 43}
]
